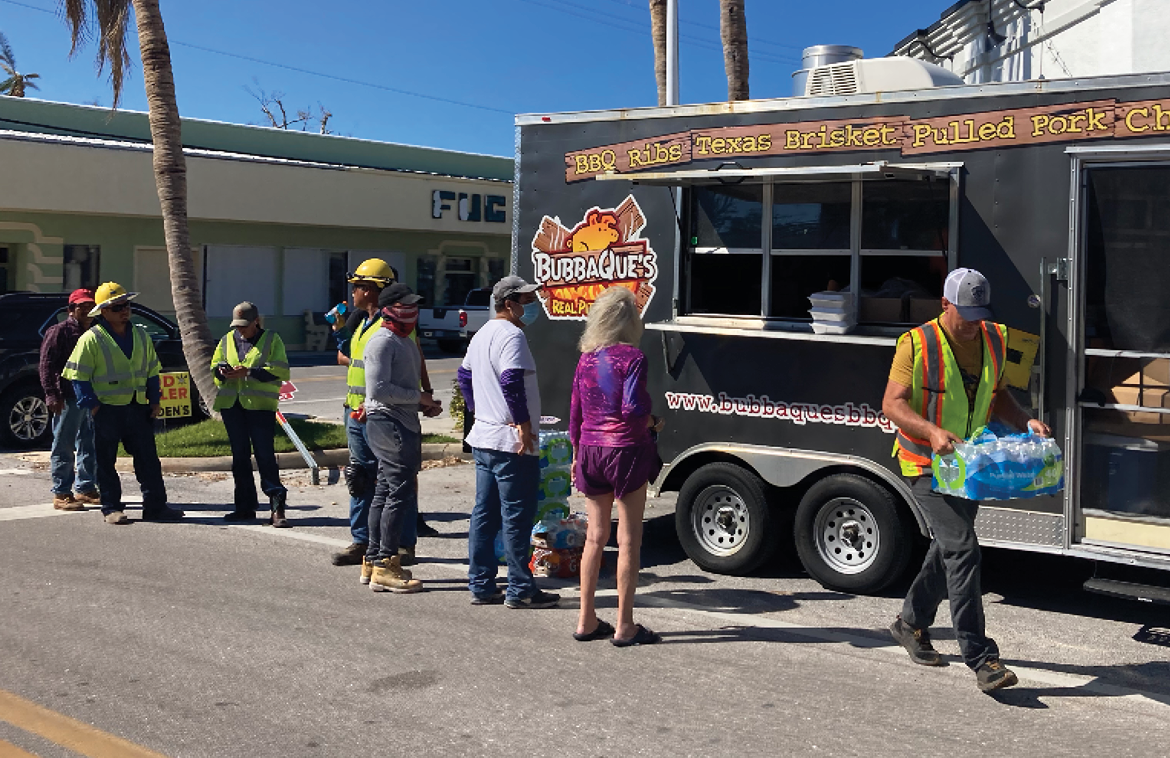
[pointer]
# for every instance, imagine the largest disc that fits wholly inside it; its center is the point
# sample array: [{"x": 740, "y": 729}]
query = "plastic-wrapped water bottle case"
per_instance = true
[{"x": 1004, "y": 466}]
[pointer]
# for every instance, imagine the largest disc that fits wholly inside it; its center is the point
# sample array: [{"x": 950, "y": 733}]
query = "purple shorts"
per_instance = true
[{"x": 620, "y": 470}]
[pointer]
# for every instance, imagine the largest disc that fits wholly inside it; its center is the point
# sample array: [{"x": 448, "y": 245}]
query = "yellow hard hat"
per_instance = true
[
  {"x": 373, "y": 270},
  {"x": 110, "y": 293}
]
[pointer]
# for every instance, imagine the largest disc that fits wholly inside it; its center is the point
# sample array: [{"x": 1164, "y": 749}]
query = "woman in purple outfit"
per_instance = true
[{"x": 614, "y": 456}]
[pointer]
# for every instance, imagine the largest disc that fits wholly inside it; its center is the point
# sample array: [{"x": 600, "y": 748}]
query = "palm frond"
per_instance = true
[
  {"x": 108, "y": 21},
  {"x": 7, "y": 85},
  {"x": 31, "y": 85},
  {"x": 9, "y": 69},
  {"x": 6, "y": 54},
  {"x": 31, "y": 76}
]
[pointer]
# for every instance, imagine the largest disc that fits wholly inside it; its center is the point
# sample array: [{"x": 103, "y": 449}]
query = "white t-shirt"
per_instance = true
[{"x": 497, "y": 347}]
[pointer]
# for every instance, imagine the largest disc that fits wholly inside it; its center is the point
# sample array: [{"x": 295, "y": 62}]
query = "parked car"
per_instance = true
[
  {"x": 24, "y": 319},
  {"x": 454, "y": 326}
]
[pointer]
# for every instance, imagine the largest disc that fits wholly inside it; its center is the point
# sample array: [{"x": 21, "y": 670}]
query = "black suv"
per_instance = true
[{"x": 24, "y": 319}]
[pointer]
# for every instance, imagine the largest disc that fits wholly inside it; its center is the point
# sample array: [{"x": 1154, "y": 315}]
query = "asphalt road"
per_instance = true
[{"x": 197, "y": 639}]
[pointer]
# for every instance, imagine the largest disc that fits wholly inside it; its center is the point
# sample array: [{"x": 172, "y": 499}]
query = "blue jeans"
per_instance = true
[
  {"x": 505, "y": 496},
  {"x": 73, "y": 444},
  {"x": 360, "y": 454},
  {"x": 399, "y": 452}
]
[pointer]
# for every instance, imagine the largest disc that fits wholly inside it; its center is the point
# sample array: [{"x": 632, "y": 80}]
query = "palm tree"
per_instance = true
[
  {"x": 109, "y": 21},
  {"x": 733, "y": 31},
  {"x": 16, "y": 83},
  {"x": 658, "y": 34}
]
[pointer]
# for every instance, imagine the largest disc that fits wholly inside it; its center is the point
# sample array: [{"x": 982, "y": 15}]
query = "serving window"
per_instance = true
[{"x": 885, "y": 239}]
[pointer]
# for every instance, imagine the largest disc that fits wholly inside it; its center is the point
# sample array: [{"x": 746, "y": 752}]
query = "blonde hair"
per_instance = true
[{"x": 613, "y": 319}]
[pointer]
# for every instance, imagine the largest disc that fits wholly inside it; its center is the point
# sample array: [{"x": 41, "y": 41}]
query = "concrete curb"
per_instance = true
[{"x": 325, "y": 459}]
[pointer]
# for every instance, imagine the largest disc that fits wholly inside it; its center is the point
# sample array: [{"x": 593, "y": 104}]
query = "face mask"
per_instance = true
[
  {"x": 531, "y": 313},
  {"x": 400, "y": 318}
]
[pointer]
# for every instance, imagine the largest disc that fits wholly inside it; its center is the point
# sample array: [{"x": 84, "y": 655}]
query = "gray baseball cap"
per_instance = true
[
  {"x": 244, "y": 314},
  {"x": 512, "y": 285},
  {"x": 969, "y": 292}
]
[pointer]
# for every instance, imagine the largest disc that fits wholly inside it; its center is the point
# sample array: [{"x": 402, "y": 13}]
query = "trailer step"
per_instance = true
[{"x": 1145, "y": 593}]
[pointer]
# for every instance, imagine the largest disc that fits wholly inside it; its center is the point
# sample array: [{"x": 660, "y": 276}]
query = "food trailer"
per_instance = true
[{"x": 724, "y": 219}]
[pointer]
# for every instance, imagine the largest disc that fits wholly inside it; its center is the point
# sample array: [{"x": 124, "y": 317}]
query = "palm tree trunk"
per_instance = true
[
  {"x": 733, "y": 31},
  {"x": 170, "y": 174},
  {"x": 658, "y": 34}
]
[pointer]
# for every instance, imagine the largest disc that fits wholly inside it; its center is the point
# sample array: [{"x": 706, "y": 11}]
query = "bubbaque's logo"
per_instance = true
[{"x": 574, "y": 266}]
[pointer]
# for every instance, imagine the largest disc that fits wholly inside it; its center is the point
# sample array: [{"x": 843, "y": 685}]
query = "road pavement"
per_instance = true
[{"x": 200, "y": 639}]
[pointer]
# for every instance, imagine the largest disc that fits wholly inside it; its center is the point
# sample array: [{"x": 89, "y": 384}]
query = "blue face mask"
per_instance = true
[{"x": 531, "y": 313}]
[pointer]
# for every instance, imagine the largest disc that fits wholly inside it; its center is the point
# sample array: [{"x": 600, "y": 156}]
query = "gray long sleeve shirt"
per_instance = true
[{"x": 393, "y": 373}]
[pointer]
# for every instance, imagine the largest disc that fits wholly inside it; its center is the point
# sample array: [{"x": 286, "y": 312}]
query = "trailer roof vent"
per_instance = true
[
  {"x": 872, "y": 75},
  {"x": 837, "y": 79}
]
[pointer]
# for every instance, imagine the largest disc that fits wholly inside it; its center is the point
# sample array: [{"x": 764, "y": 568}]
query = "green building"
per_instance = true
[{"x": 277, "y": 217}]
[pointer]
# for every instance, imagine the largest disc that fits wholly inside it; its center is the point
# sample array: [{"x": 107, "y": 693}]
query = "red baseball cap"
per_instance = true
[{"x": 81, "y": 296}]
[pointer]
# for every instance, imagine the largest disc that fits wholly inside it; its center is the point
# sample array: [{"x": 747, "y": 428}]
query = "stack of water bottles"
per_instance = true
[
  {"x": 555, "y": 483},
  {"x": 999, "y": 465}
]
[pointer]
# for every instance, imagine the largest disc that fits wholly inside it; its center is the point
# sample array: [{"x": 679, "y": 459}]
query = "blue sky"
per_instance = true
[{"x": 477, "y": 61}]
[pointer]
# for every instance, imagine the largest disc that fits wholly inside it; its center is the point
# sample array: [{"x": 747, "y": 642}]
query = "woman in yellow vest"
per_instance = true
[
  {"x": 249, "y": 366},
  {"x": 114, "y": 371},
  {"x": 946, "y": 381}
]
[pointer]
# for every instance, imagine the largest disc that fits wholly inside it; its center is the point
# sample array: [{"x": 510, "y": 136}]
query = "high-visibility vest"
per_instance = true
[
  {"x": 938, "y": 394},
  {"x": 116, "y": 379},
  {"x": 355, "y": 378},
  {"x": 253, "y": 394}
]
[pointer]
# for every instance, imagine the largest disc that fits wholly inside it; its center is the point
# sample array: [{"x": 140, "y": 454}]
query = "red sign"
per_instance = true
[{"x": 287, "y": 390}]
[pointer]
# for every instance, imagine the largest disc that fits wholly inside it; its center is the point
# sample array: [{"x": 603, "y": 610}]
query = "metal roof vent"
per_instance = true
[
  {"x": 871, "y": 75},
  {"x": 836, "y": 79}
]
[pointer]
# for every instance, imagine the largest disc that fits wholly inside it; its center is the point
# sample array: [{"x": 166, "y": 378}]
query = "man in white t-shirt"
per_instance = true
[{"x": 498, "y": 382}]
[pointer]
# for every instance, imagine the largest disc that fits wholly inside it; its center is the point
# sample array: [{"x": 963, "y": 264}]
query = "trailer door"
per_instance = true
[{"x": 1119, "y": 339}]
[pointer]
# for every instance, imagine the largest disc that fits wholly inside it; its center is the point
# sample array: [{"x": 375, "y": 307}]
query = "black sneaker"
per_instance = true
[
  {"x": 351, "y": 556},
  {"x": 916, "y": 642},
  {"x": 496, "y": 598},
  {"x": 541, "y": 599},
  {"x": 993, "y": 675}
]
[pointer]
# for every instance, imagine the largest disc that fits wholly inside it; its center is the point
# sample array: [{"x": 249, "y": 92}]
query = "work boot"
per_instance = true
[
  {"x": 425, "y": 529},
  {"x": 277, "y": 518},
  {"x": 241, "y": 515},
  {"x": 352, "y": 555},
  {"x": 916, "y": 642},
  {"x": 367, "y": 570},
  {"x": 166, "y": 513},
  {"x": 116, "y": 517},
  {"x": 406, "y": 555},
  {"x": 67, "y": 503},
  {"x": 89, "y": 498},
  {"x": 389, "y": 576},
  {"x": 993, "y": 675}
]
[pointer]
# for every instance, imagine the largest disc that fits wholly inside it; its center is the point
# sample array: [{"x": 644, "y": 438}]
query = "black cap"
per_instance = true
[{"x": 397, "y": 293}]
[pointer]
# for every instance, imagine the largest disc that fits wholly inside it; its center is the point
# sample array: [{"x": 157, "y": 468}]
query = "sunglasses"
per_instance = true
[{"x": 119, "y": 308}]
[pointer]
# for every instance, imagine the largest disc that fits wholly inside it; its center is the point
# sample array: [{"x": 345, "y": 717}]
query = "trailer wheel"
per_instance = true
[
  {"x": 723, "y": 519},
  {"x": 850, "y": 535}
]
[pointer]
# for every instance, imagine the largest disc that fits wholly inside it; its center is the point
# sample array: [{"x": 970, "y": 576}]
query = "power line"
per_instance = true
[{"x": 751, "y": 37}]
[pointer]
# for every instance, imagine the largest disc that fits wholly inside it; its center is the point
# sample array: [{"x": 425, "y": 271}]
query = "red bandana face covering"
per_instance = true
[{"x": 400, "y": 319}]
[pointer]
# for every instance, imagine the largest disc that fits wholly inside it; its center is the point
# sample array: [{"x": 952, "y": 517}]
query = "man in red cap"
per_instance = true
[{"x": 73, "y": 457}]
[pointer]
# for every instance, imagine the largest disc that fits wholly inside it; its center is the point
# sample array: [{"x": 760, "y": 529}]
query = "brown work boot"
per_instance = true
[
  {"x": 277, "y": 519},
  {"x": 67, "y": 503},
  {"x": 116, "y": 517},
  {"x": 367, "y": 571},
  {"x": 389, "y": 576},
  {"x": 993, "y": 675},
  {"x": 916, "y": 642},
  {"x": 351, "y": 556},
  {"x": 89, "y": 498},
  {"x": 406, "y": 556}
]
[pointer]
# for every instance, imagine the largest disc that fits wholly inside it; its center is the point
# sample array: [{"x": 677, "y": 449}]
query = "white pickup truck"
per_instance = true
[{"x": 452, "y": 326}]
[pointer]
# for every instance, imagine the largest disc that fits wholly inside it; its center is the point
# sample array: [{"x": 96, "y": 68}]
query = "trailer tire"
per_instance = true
[
  {"x": 723, "y": 519},
  {"x": 850, "y": 535}
]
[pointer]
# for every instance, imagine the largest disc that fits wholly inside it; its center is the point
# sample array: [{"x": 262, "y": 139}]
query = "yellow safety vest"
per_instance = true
[
  {"x": 938, "y": 394},
  {"x": 355, "y": 378},
  {"x": 253, "y": 394},
  {"x": 116, "y": 379}
]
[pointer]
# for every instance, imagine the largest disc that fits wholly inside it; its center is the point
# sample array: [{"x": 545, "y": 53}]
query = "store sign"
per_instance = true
[
  {"x": 176, "y": 394},
  {"x": 574, "y": 266},
  {"x": 1068, "y": 122},
  {"x": 467, "y": 207}
]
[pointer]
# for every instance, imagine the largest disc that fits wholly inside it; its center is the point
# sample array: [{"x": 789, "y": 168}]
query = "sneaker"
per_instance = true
[
  {"x": 367, "y": 571},
  {"x": 164, "y": 514},
  {"x": 993, "y": 675},
  {"x": 352, "y": 555},
  {"x": 541, "y": 599},
  {"x": 67, "y": 503},
  {"x": 389, "y": 576},
  {"x": 496, "y": 598},
  {"x": 116, "y": 517},
  {"x": 89, "y": 498},
  {"x": 916, "y": 642},
  {"x": 406, "y": 556}
]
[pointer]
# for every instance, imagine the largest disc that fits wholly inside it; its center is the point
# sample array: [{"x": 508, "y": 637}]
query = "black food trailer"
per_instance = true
[{"x": 725, "y": 219}]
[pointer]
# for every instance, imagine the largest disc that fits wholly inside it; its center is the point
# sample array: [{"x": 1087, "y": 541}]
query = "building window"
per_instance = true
[
  {"x": 459, "y": 278},
  {"x": 4, "y": 271},
  {"x": 497, "y": 270},
  {"x": 338, "y": 278},
  {"x": 726, "y": 237},
  {"x": 426, "y": 279},
  {"x": 82, "y": 267}
]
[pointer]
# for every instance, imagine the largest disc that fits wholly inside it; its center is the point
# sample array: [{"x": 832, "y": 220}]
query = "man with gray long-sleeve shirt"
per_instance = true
[{"x": 391, "y": 407}]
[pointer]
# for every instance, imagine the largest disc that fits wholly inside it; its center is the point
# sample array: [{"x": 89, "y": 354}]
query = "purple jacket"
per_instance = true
[
  {"x": 60, "y": 339},
  {"x": 610, "y": 405}
]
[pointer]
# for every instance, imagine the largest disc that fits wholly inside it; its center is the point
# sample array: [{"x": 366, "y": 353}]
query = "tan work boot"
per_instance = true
[
  {"x": 89, "y": 498},
  {"x": 116, "y": 517},
  {"x": 406, "y": 556},
  {"x": 367, "y": 571},
  {"x": 67, "y": 503},
  {"x": 389, "y": 576}
]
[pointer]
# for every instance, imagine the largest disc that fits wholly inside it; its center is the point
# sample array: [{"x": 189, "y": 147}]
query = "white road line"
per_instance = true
[
  {"x": 37, "y": 510},
  {"x": 16, "y": 472}
]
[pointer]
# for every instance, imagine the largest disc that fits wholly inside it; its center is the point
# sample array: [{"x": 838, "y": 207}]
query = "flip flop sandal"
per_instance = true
[
  {"x": 602, "y": 631},
  {"x": 643, "y": 637}
]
